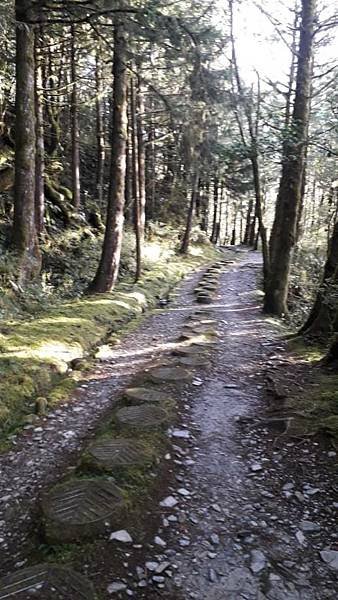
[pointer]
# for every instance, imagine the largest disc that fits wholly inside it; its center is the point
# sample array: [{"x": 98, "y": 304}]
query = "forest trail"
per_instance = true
[{"x": 253, "y": 510}]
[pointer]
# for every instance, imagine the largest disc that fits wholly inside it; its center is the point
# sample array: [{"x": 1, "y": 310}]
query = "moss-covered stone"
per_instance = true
[
  {"x": 169, "y": 374},
  {"x": 189, "y": 350},
  {"x": 204, "y": 298},
  {"x": 139, "y": 395},
  {"x": 112, "y": 454},
  {"x": 46, "y": 582},
  {"x": 194, "y": 361},
  {"x": 81, "y": 509},
  {"x": 142, "y": 417}
]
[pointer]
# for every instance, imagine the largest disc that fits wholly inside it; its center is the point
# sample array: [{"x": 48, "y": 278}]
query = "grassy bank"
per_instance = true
[
  {"x": 317, "y": 405},
  {"x": 37, "y": 351}
]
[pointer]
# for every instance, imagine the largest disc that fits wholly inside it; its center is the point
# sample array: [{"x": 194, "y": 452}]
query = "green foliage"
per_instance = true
[{"x": 36, "y": 352}]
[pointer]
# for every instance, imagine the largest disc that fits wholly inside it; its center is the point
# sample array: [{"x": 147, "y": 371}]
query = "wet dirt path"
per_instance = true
[{"x": 252, "y": 510}]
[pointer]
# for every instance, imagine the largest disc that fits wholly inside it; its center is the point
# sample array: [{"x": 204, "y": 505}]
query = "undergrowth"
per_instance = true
[{"x": 43, "y": 333}]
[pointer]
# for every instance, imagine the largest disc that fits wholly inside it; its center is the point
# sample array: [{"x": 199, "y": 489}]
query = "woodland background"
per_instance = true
[{"x": 130, "y": 140}]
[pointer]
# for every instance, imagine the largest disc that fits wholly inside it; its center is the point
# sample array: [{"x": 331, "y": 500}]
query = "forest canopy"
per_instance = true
[{"x": 116, "y": 116}]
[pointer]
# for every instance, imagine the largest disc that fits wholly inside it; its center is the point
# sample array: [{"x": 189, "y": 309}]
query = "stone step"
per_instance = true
[
  {"x": 174, "y": 374},
  {"x": 81, "y": 509},
  {"x": 46, "y": 582},
  {"x": 107, "y": 454},
  {"x": 139, "y": 395},
  {"x": 142, "y": 417}
]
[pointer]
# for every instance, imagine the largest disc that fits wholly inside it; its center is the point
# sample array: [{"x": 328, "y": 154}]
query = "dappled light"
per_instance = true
[{"x": 168, "y": 300}]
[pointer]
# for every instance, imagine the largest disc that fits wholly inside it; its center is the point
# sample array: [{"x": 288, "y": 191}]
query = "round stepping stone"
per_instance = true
[
  {"x": 201, "y": 313},
  {"x": 187, "y": 351},
  {"x": 169, "y": 374},
  {"x": 204, "y": 298},
  {"x": 108, "y": 454},
  {"x": 139, "y": 395},
  {"x": 144, "y": 416},
  {"x": 194, "y": 361},
  {"x": 199, "y": 329},
  {"x": 46, "y": 582},
  {"x": 81, "y": 509},
  {"x": 210, "y": 279},
  {"x": 208, "y": 287},
  {"x": 204, "y": 342}
]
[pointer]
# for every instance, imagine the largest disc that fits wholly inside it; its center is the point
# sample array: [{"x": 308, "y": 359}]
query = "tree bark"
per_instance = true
[
  {"x": 248, "y": 223},
  {"x": 141, "y": 157},
  {"x": 213, "y": 237},
  {"x": 284, "y": 230},
  {"x": 24, "y": 239},
  {"x": 108, "y": 268},
  {"x": 321, "y": 319},
  {"x": 150, "y": 166},
  {"x": 100, "y": 137},
  {"x": 75, "y": 126},
  {"x": 135, "y": 181},
  {"x": 40, "y": 144},
  {"x": 190, "y": 216}
]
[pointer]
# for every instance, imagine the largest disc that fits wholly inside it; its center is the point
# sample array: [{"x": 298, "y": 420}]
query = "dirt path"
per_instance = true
[
  {"x": 260, "y": 509},
  {"x": 253, "y": 512}
]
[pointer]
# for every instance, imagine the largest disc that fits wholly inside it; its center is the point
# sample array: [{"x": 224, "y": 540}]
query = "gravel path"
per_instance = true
[
  {"x": 258, "y": 512},
  {"x": 45, "y": 452},
  {"x": 252, "y": 510}
]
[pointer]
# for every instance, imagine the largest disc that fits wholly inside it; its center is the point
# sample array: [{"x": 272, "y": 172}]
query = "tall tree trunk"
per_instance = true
[
  {"x": 215, "y": 213},
  {"x": 135, "y": 180},
  {"x": 205, "y": 206},
  {"x": 248, "y": 222},
  {"x": 150, "y": 166},
  {"x": 75, "y": 126},
  {"x": 40, "y": 143},
  {"x": 108, "y": 268},
  {"x": 323, "y": 314},
  {"x": 284, "y": 230},
  {"x": 100, "y": 138},
  {"x": 24, "y": 239},
  {"x": 141, "y": 157},
  {"x": 190, "y": 216},
  {"x": 288, "y": 107},
  {"x": 259, "y": 211}
]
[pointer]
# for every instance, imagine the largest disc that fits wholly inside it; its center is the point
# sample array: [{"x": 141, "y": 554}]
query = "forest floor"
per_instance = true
[{"x": 254, "y": 502}]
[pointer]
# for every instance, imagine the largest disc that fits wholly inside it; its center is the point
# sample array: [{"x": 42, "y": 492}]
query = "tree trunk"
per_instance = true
[
  {"x": 248, "y": 223},
  {"x": 108, "y": 268},
  {"x": 40, "y": 144},
  {"x": 284, "y": 230},
  {"x": 24, "y": 239},
  {"x": 75, "y": 126},
  {"x": 331, "y": 358},
  {"x": 100, "y": 138},
  {"x": 322, "y": 316},
  {"x": 141, "y": 158},
  {"x": 259, "y": 211},
  {"x": 215, "y": 214},
  {"x": 205, "y": 207},
  {"x": 135, "y": 180},
  {"x": 190, "y": 216},
  {"x": 150, "y": 167}
]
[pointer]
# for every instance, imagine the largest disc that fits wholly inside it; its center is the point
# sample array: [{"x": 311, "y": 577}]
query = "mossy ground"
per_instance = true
[
  {"x": 36, "y": 351},
  {"x": 319, "y": 402}
]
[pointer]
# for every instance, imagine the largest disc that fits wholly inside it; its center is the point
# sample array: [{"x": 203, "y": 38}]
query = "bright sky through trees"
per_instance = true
[{"x": 259, "y": 45}]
